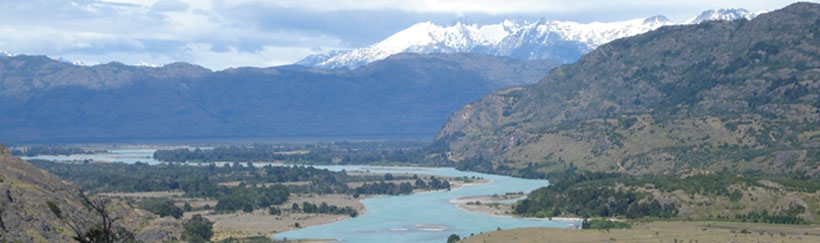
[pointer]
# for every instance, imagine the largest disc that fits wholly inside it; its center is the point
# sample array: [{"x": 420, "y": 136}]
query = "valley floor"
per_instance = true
[
  {"x": 674, "y": 231},
  {"x": 660, "y": 231},
  {"x": 261, "y": 223}
]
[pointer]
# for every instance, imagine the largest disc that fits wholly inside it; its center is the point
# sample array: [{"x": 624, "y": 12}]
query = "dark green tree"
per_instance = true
[
  {"x": 161, "y": 206},
  {"x": 198, "y": 229},
  {"x": 453, "y": 238}
]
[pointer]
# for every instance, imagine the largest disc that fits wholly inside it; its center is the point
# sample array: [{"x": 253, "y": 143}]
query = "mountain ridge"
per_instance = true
[
  {"x": 563, "y": 41},
  {"x": 737, "y": 96},
  {"x": 405, "y": 95}
]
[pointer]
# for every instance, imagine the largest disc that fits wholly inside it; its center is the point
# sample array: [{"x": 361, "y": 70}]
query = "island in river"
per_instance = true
[{"x": 428, "y": 215}]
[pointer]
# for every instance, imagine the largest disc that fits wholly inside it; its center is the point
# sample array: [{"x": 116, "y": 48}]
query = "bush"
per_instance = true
[
  {"x": 605, "y": 224},
  {"x": 198, "y": 229},
  {"x": 161, "y": 206},
  {"x": 453, "y": 238}
]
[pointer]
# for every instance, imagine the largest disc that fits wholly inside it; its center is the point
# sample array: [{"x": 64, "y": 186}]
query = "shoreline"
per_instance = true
[
  {"x": 455, "y": 185},
  {"x": 261, "y": 223},
  {"x": 493, "y": 205}
]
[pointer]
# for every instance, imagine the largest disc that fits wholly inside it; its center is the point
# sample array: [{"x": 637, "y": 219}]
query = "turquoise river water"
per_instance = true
[
  {"x": 425, "y": 217},
  {"x": 420, "y": 217}
]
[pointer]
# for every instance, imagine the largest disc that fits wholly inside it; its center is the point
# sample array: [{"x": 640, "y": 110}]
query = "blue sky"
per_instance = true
[{"x": 222, "y": 34}]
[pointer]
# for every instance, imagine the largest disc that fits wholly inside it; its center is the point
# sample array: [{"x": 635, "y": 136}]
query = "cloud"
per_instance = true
[
  {"x": 169, "y": 6},
  {"x": 219, "y": 33},
  {"x": 567, "y": 9}
]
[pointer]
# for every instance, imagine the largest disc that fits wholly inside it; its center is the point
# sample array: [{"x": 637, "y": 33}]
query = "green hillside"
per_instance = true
[
  {"x": 737, "y": 97},
  {"x": 716, "y": 121}
]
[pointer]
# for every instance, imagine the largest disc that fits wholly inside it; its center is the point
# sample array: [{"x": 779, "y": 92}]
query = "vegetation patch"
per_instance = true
[
  {"x": 714, "y": 196},
  {"x": 604, "y": 224}
]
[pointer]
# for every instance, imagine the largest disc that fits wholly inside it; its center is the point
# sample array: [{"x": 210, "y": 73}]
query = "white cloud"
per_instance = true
[
  {"x": 221, "y": 33},
  {"x": 232, "y": 57},
  {"x": 135, "y": 2},
  {"x": 510, "y": 6}
]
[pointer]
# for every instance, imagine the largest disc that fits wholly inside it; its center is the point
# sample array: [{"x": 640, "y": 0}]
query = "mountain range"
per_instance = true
[
  {"x": 403, "y": 95},
  {"x": 738, "y": 96},
  {"x": 406, "y": 95},
  {"x": 561, "y": 41}
]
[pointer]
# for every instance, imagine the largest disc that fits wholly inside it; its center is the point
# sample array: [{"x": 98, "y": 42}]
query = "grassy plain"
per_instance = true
[
  {"x": 261, "y": 223},
  {"x": 674, "y": 231}
]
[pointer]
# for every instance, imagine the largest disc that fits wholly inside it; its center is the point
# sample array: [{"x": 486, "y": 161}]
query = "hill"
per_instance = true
[
  {"x": 407, "y": 95},
  {"x": 40, "y": 207},
  {"x": 736, "y": 97},
  {"x": 25, "y": 215}
]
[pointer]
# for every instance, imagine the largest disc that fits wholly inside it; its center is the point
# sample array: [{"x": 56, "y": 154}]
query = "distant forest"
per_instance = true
[
  {"x": 343, "y": 153},
  {"x": 259, "y": 187}
]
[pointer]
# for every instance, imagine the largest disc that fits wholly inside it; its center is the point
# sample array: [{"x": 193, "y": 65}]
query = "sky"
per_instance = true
[{"x": 220, "y": 34}]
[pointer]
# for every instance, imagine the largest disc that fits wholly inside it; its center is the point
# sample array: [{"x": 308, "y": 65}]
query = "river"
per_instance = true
[
  {"x": 425, "y": 217},
  {"x": 420, "y": 217}
]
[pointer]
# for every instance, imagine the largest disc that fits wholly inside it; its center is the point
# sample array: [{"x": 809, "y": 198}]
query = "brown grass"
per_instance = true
[
  {"x": 260, "y": 223},
  {"x": 662, "y": 232}
]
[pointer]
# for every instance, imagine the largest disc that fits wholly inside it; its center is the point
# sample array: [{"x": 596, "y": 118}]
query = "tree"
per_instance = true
[
  {"x": 187, "y": 207},
  {"x": 420, "y": 183},
  {"x": 198, "y": 229},
  {"x": 585, "y": 224},
  {"x": 453, "y": 238},
  {"x": 295, "y": 208},
  {"x": 162, "y": 207},
  {"x": 91, "y": 229},
  {"x": 274, "y": 211},
  {"x": 405, "y": 188}
]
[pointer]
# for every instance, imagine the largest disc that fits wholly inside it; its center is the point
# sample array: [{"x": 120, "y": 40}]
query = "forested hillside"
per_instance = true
[
  {"x": 719, "y": 121},
  {"x": 737, "y": 96}
]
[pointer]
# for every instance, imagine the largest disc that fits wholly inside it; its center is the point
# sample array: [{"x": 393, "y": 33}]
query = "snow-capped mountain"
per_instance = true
[
  {"x": 424, "y": 37},
  {"x": 722, "y": 14},
  {"x": 567, "y": 41},
  {"x": 562, "y": 41}
]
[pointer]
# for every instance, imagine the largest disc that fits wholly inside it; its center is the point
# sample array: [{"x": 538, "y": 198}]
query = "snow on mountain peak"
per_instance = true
[
  {"x": 598, "y": 33},
  {"x": 721, "y": 14},
  {"x": 424, "y": 37},
  {"x": 563, "y": 41},
  {"x": 147, "y": 64},
  {"x": 657, "y": 19}
]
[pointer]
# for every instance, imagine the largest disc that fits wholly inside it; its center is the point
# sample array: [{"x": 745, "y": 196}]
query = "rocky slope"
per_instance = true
[
  {"x": 405, "y": 95},
  {"x": 737, "y": 96},
  {"x": 26, "y": 189},
  {"x": 32, "y": 199}
]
